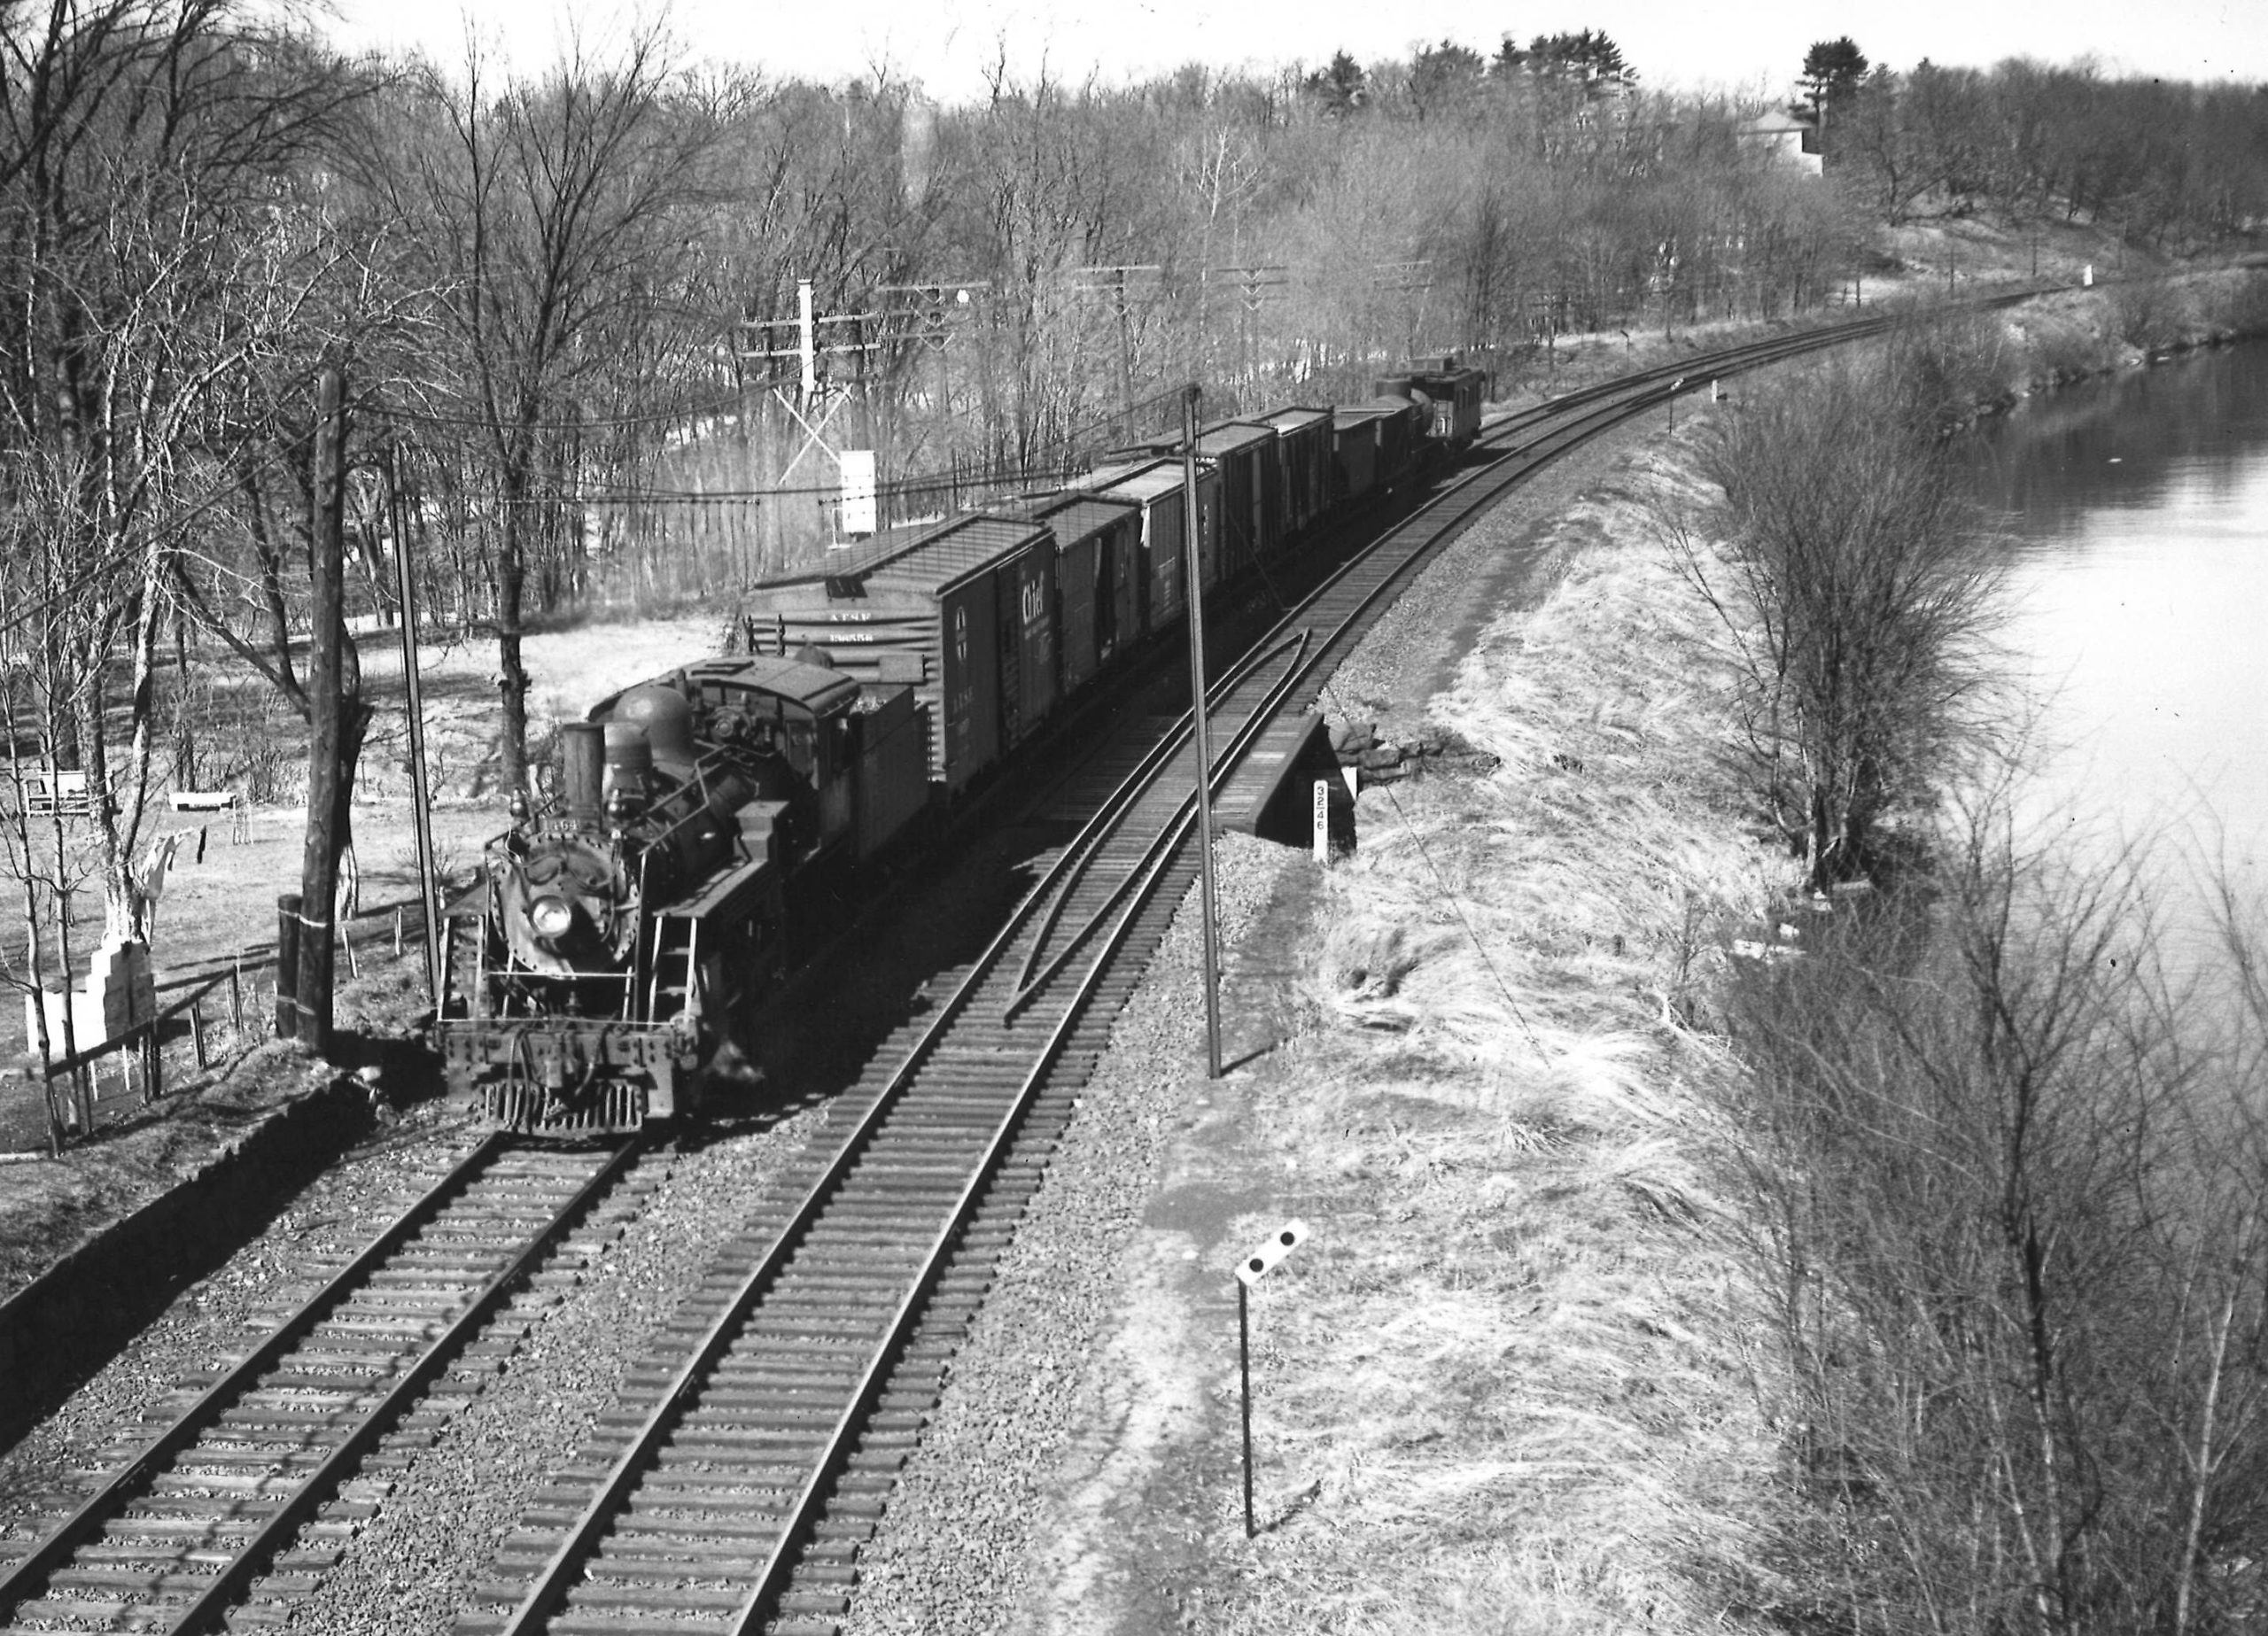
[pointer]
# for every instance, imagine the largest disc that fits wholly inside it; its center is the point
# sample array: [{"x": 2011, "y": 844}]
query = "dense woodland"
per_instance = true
[{"x": 566, "y": 306}]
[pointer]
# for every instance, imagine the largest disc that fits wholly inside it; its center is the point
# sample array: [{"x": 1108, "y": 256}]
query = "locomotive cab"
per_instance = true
[{"x": 630, "y": 928}]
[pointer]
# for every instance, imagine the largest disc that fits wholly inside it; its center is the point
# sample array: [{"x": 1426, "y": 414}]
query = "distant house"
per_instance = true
[{"x": 1785, "y": 137}]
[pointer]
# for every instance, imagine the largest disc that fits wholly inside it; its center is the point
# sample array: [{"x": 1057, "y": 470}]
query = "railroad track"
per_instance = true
[
  {"x": 253, "y": 1488},
  {"x": 755, "y": 1448}
]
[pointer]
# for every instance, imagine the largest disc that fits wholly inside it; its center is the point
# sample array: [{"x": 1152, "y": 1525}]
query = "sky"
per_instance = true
[{"x": 947, "y": 44}]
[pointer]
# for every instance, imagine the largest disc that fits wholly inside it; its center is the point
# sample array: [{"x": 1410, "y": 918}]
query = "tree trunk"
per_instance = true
[
  {"x": 511, "y": 598},
  {"x": 335, "y": 729}
]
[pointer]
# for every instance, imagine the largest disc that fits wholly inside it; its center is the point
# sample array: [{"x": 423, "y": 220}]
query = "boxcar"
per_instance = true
[
  {"x": 1098, "y": 579},
  {"x": 1245, "y": 454},
  {"x": 1353, "y": 452},
  {"x": 962, "y": 610},
  {"x": 1154, "y": 486},
  {"x": 1399, "y": 439},
  {"x": 1303, "y": 455}
]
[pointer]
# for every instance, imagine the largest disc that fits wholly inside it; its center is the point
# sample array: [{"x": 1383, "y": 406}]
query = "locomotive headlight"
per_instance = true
[{"x": 550, "y": 916}]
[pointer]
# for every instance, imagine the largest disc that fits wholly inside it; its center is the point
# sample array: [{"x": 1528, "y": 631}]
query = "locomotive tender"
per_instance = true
[{"x": 618, "y": 939}]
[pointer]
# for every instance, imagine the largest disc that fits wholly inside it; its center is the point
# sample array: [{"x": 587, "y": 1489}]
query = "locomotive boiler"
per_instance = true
[{"x": 621, "y": 935}]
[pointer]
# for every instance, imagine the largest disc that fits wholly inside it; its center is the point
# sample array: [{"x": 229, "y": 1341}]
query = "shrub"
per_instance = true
[
  {"x": 1847, "y": 577},
  {"x": 2007, "y": 1209}
]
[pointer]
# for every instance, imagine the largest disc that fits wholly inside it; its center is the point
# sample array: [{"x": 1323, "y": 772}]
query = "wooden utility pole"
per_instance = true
[
  {"x": 1194, "y": 591},
  {"x": 319, "y": 863},
  {"x": 420, "y": 794}
]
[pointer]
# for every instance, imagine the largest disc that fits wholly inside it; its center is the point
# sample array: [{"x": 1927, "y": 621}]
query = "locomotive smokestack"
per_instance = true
[{"x": 582, "y": 770}]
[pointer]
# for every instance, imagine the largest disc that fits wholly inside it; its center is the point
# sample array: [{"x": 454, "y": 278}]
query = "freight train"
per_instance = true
[{"x": 618, "y": 938}]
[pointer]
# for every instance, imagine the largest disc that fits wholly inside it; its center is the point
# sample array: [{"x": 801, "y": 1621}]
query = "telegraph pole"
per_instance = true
[
  {"x": 1112, "y": 282},
  {"x": 421, "y": 797},
  {"x": 1201, "y": 738},
  {"x": 1255, "y": 286}
]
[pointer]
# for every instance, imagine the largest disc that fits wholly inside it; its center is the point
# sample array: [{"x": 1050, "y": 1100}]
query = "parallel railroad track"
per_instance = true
[
  {"x": 754, "y": 1449},
  {"x": 298, "y": 1434},
  {"x": 756, "y": 1446}
]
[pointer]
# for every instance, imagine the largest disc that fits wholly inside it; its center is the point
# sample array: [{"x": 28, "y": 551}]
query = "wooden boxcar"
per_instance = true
[
  {"x": 1154, "y": 486},
  {"x": 1400, "y": 439},
  {"x": 1245, "y": 454},
  {"x": 1303, "y": 456},
  {"x": 963, "y": 610},
  {"x": 1374, "y": 445},
  {"x": 1098, "y": 572}
]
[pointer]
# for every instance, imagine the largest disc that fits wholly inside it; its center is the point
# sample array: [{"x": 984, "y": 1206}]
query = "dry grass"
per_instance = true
[{"x": 1505, "y": 1389}]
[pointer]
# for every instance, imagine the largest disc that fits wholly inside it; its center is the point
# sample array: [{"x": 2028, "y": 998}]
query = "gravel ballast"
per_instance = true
[
  {"x": 1024, "y": 1408},
  {"x": 1049, "y": 1403}
]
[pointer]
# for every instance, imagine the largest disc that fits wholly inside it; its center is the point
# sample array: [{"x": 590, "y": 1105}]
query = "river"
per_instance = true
[{"x": 2137, "y": 515}]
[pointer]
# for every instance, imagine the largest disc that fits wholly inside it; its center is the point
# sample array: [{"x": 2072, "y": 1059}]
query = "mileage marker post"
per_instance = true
[{"x": 1250, "y": 1271}]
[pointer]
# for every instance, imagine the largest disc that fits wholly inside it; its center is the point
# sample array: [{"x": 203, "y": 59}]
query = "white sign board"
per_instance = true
[
  {"x": 1287, "y": 1238},
  {"x": 1323, "y": 822},
  {"x": 858, "y": 468}
]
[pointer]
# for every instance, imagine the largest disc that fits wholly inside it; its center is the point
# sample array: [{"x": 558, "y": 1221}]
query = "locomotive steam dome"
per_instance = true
[{"x": 666, "y": 718}]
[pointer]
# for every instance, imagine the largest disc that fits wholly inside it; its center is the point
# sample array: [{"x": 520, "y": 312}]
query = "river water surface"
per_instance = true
[{"x": 2137, "y": 510}]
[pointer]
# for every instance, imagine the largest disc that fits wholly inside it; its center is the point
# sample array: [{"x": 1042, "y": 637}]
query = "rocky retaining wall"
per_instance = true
[{"x": 63, "y": 1325}]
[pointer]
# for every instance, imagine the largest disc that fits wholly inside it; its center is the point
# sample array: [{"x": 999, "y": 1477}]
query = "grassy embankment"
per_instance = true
[
  {"x": 1522, "y": 1383},
  {"x": 1510, "y": 1377}
]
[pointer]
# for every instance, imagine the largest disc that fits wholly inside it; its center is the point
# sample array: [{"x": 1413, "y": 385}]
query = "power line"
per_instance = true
[{"x": 736, "y": 403}]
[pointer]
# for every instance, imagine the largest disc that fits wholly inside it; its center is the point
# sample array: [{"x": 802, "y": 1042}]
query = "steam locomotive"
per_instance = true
[{"x": 618, "y": 938}]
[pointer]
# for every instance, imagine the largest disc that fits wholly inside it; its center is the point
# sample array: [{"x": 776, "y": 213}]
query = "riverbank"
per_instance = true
[{"x": 2074, "y": 334}]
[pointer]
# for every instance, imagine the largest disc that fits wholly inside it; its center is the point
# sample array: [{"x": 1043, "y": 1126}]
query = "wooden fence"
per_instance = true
[{"x": 192, "y": 1010}]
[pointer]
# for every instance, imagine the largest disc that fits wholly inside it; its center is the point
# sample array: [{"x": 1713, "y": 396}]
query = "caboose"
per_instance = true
[{"x": 1448, "y": 395}]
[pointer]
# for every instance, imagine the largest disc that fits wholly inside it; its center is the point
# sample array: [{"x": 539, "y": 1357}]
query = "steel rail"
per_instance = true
[
  {"x": 1042, "y": 908},
  {"x": 201, "y": 1416},
  {"x": 321, "y": 1484}
]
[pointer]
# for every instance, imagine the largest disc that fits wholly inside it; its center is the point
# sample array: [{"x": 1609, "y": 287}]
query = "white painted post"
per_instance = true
[
  {"x": 807, "y": 343},
  {"x": 1323, "y": 822}
]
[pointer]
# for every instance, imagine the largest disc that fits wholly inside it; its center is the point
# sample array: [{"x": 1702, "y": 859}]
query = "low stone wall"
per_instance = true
[{"x": 66, "y": 1324}]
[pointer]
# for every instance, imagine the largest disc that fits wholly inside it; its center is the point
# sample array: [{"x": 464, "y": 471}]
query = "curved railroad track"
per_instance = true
[
  {"x": 756, "y": 1447},
  {"x": 300, "y": 1433},
  {"x": 757, "y": 1444}
]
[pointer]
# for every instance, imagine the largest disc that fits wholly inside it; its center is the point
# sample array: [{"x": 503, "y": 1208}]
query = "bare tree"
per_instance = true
[
  {"x": 146, "y": 149},
  {"x": 1855, "y": 602},
  {"x": 2009, "y": 1190},
  {"x": 556, "y": 213}
]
